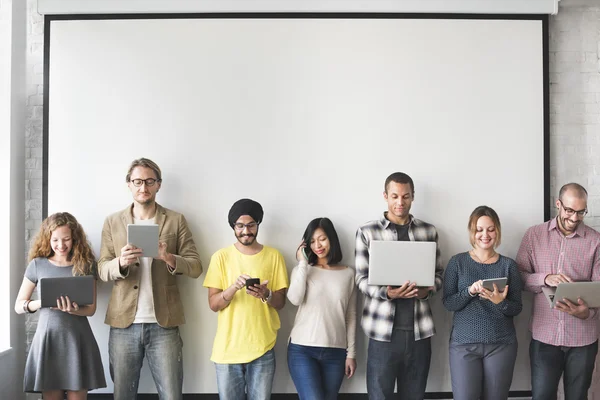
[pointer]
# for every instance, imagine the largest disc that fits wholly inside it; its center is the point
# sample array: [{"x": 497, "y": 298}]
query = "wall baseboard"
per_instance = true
[{"x": 523, "y": 394}]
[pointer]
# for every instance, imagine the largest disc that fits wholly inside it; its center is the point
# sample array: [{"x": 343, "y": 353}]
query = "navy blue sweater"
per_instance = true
[{"x": 477, "y": 320}]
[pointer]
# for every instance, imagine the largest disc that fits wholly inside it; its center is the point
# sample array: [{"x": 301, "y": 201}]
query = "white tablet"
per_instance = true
[
  {"x": 587, "y": 291},
  {"x": 395, "y": 262},
  {"x": 145, "y": 237}
]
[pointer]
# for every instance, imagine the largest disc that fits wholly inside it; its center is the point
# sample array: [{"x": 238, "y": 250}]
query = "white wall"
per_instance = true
[
  {"x": 309, "y": 116},
  {"x": 12, "y": 127},
  {"x": 571, "y": 145}
]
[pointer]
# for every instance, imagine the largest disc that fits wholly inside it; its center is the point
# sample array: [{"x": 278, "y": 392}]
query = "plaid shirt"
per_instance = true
[
  {"x": 379, "y": 309},
  {"x": 544, "y": 251}
]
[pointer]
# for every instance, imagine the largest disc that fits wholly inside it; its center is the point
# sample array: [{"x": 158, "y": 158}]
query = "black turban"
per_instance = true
[{"x": 245, "y": 207}]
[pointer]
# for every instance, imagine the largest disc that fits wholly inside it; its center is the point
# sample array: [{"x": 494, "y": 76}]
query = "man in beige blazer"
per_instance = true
[{"x": 145, "y": 309}]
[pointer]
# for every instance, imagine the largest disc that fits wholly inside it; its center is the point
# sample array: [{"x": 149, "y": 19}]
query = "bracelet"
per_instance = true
[
  {"x": 26, "y": 307},
  {"x": 223, "y": 297},
  {"x": 268, "y": 297}
]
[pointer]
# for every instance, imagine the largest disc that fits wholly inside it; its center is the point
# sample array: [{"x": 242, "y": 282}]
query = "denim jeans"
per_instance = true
[
  {"x": 549, "y": 362},
  {"x": 253, "y": 379},
  {"x": 317, "y": 372},
  {"x": 403, "y": 359},
  {"x": 162, "y": 346}
]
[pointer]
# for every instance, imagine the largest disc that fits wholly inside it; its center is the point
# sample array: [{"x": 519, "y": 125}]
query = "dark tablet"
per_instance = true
[{"x": 80, "y": 290}]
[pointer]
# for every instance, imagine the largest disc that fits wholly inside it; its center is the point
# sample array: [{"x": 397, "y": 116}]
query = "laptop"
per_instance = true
[
  {"x": 395, "y": 262},
  {"x": 80, "y": 290},
  {"x": 588, "y": 291}
]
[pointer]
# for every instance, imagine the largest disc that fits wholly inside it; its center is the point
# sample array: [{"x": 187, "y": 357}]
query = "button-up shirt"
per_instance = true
[
  {"x": 379, "y": 309},
  {"x": 546, "y": 250}
]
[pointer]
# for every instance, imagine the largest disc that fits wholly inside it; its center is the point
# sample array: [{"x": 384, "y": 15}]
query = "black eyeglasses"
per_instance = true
[
  {"x": 147, "y": 182},
  {"x": 569, "y": 211},
  {"x": 240, "y": 227}
]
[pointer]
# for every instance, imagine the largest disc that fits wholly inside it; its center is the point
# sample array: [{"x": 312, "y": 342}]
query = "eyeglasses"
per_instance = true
[
  {"x": 569, "y": 211},
  {"x": 240, "y": 227},
  {"x": 147, "y": 182}
]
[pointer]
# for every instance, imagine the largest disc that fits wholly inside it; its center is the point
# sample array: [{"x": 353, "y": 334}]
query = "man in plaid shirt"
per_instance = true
[
  {"x": 397, "y": 320},
  {"x": 564, "y": 338}
]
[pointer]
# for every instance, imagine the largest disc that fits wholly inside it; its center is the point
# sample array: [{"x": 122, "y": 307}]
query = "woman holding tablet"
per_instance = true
[
  {"x": 483, "y": 342},
  {"x": 322, "y": 342},
  {"x": 64, "y": 355}
]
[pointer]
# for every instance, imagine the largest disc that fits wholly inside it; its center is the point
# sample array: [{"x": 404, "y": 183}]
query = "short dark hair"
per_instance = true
[
  {"x": 578, "y": 190},
  {"x": 484, "y": 211},
  {"x": 399, "y": 177},
  {"x": 335, "y": 250}
]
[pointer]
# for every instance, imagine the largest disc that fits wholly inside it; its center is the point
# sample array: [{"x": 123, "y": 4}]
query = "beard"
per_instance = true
[
  {"x": 146, "y": 202},
  {"x": 246, "y": 239},
  {"x": 568, "y": 225}
]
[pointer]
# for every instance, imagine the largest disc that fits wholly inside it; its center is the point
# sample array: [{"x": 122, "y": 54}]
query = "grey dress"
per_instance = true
[{"x": 64, "y": 354}]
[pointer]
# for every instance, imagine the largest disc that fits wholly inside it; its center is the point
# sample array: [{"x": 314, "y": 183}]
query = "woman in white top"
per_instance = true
[{"x": 322, "y": 343}]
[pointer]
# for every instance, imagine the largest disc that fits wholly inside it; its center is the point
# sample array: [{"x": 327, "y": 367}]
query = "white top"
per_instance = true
[
  {"x": 145, "y": 307},
  {"x": 327, "y": 307}
]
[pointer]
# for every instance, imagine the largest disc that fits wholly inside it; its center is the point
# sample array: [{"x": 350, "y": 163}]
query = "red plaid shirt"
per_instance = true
[{"x": 545, "y": 250}]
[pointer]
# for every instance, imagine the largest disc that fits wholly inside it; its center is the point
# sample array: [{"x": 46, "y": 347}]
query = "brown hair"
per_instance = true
[
  {"x": 146, "y": 163},
  {"x": 81, "y": 255},
  {"x": 484, "y": 211}
]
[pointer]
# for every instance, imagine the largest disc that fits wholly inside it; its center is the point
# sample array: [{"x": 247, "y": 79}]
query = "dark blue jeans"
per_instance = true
[
  {"x": 549, "y": 362},
  {"x": 317, "y": 372},
  {"x": 402, "y": 359}
]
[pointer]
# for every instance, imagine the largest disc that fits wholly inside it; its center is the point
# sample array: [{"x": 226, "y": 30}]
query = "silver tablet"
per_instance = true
[
  {"x": 80, "y": 290},
  {"x": 587, "y": 291},
  {"x": 500, "y": 283},
  {"x": 145, "y": 237}
]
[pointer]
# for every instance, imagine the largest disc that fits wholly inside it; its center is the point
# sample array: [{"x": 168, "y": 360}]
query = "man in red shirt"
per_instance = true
[{"x": 564, "y": 338}]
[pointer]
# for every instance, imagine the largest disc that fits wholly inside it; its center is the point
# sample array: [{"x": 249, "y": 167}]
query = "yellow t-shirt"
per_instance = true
[{"x": 247, "y": 328}]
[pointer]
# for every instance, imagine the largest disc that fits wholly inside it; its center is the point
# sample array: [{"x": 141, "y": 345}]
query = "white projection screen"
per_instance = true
[{"x": 307, "y": 114}]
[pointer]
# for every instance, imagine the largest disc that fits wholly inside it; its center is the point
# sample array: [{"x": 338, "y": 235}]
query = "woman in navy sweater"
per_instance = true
[{"x": 483, "y": 343}]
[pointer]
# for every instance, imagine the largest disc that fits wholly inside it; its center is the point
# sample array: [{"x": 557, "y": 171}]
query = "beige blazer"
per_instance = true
[{"x": 173, "y": 230}]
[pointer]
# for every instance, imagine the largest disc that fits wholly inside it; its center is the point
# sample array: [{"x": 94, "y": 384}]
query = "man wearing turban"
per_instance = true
[{"x": 246, "y": 283}]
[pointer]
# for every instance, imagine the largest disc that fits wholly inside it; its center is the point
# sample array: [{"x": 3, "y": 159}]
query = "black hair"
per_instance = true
[
  {"x": 335, "y": 250},
  {"x": 399, "y": 177}
]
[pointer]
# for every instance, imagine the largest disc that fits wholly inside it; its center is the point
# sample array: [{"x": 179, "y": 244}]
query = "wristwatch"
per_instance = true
[{"x": 268, "y": 297}]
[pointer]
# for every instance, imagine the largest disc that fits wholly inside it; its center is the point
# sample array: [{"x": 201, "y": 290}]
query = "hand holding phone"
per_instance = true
[
  {"x": 301, "y": 252},
  {"x": 251, "y": 282}
]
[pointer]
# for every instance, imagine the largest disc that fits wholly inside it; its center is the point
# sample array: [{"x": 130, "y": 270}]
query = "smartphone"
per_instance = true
[
  {"x": 305, "y": 254},
  {"x": 500, "y": 283},
  {"x": 252, "y": 282}
]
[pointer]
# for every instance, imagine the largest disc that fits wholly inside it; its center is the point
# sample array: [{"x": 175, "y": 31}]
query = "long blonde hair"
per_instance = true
[{"x": 81, "y": 255}]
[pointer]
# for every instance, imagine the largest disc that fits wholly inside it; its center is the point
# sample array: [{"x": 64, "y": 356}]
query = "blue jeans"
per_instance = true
[
  {"x": 549, "y": 362},
  {"x": 317, "y": 372},
  {"x": 163, "y": 346},
  {"x": 403, "y": 359},
  {"x": 254, "y": 378}
]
